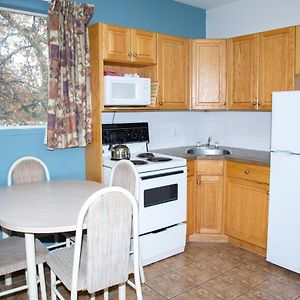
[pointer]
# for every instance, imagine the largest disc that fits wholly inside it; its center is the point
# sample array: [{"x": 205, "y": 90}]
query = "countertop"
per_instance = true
[{"x": 237, "y": 154}]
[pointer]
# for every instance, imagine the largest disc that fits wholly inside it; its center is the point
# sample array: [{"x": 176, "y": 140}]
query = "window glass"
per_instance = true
[{"x": 23, "y": 69}]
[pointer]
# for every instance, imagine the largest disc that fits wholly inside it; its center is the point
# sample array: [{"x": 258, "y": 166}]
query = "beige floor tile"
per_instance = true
[
  {"x": 170, "y": 285},
  {"x": 255, "y": 294},
  {"x": 155, "y": 270},
  {"x": 197, "y": 272},
  {"x": 225, "y": 287},
  {"x": 248, "y": 274},
  {"x": 261, "y": 262},
  {"x": 221, "y": 262},
  {"x": 197, "y": 251},
  {"x": 177, "y": 261},
  {"x": 196, "y": 293},
  {"x": 280, "y": 288}
]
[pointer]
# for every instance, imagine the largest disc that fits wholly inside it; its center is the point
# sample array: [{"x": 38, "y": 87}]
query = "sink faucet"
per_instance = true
[{"x": 208, "y": 141}]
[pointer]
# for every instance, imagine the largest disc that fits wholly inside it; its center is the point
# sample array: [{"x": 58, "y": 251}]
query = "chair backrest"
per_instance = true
[
  {"x": 27, "y": 169},
  {"x": 109, "y": 214},
  {"x": 124, "y": 174}
]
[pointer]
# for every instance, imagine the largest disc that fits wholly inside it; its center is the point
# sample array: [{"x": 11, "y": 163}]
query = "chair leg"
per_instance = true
[
  {"x": 42, "y": 281},
  {"x": 8, "y": 278},
  {"x": 122, "y": 291},
  {"x": 142, "y": 274},
  {"x": 53, "y": 285},
  {"x": 138, "y": 287},
  {"x": 105, "y": 294}
]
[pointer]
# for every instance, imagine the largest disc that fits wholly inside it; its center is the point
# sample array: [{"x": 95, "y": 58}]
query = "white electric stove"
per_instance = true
[{"x": 162, "y": 195}]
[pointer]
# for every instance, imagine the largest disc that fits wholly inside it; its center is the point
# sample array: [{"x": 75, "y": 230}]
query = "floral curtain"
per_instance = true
[{"x": 69, "y": 106}]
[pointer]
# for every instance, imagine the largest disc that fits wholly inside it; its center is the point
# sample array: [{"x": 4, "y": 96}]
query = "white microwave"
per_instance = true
[{"x": 126, "y": 91}]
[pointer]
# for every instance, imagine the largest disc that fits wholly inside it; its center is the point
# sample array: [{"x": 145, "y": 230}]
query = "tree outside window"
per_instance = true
[{"x": 23, "y": 69}]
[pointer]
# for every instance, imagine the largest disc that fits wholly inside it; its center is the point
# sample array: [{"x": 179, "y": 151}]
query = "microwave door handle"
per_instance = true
[{"x": 161, "y": 175}]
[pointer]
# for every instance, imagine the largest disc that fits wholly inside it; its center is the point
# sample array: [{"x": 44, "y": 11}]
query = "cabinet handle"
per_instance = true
[
  {"x": 246, "y": 172},
  {"x": 259, "y": 103},
  {"x": 198, "y": 182},
  {"x": 160, "y": 103},
  {"x": 254, "y": 103},
  {"x": 268, "y": 193},
  {"x": 135, "y": 54},
  {"x": 188, "y": 169},
  {"x": 224, "y": 103},
  {"x": 129, "y": 54}
]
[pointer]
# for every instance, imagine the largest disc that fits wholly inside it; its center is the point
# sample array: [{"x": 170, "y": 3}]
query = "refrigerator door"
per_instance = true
[
  {"x": 286, "y": 122},
  {"x": 283, "y": 247}
]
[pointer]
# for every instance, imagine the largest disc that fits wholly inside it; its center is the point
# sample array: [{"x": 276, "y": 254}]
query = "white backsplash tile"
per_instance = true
[{"x": 249, "y": 130}]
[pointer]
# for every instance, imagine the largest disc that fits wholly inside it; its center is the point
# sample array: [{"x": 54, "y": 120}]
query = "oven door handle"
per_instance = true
[{"x": 162, "y": 175}]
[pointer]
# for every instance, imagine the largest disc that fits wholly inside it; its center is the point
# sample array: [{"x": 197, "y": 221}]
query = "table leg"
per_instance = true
[{"x": 31, "y": 266}]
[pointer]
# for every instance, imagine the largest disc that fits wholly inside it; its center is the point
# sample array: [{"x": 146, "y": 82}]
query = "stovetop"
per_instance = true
[{"x": 152, "y": 162}]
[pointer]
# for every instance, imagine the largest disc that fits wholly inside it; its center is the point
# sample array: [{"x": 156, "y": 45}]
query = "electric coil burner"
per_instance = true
[{"x": 162, "y": 190}]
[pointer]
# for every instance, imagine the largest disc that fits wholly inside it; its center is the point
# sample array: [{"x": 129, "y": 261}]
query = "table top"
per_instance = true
[{"x": 44, "y": 207}]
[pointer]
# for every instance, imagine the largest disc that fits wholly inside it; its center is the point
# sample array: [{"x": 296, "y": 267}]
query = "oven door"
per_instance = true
[{"x": 162, "y": 200}]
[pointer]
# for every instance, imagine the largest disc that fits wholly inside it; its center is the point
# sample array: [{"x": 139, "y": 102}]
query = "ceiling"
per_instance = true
[{"x": 206, "y": 4}]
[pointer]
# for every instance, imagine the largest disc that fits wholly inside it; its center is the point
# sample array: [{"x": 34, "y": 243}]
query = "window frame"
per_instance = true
[{"x": 29, "y": 13}]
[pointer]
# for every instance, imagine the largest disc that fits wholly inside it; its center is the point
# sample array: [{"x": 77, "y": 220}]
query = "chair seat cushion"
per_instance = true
[
  {"x": 13, "y": 255},
  {"x": 61, "y": 263}
]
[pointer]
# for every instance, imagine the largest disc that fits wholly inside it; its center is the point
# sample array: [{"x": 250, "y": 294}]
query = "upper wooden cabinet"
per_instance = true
[
  {"x": 276, "y": 64},
  {"x": 173, "y": 72},
  {"x": 208, "y": 74},
  {"x": 128, "y": 45},
  {"x": 242, "y": 72},
  {"x": 258, "y": 65}
]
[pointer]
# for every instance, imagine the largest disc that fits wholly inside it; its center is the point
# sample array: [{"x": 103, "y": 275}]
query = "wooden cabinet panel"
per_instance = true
[
  {"x": 144, "y": 46},
  {"x": 247, "y": 211},
  {"x": 297, "y": 51},
  {"x": 242, "y": 72},
  {"x": 173, "y": 72},
  {"x": 116, "y": 43},
  {"x": 209, "y": 204},
  {"x": 210, "y": 167},
  {"x": 248, "y": 172},
  {"x": 276, "y": 67},
  {"x": 191, "y": 205},
  {"x": 208, "y": 74}
]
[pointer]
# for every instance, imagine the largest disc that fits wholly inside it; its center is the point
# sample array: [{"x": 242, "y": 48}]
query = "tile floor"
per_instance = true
[{"x": 207, "y": 271}]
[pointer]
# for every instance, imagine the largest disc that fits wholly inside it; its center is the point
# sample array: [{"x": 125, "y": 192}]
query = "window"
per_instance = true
[{"x": 23, "y": 69}]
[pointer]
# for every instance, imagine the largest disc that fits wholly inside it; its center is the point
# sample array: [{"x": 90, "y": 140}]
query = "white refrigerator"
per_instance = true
[{"x": 283, "y": 247}]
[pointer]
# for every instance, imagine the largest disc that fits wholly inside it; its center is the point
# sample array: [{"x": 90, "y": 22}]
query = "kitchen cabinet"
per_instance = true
[
  {"x": 128, "y": 45},
  {"x": 297, "y": 51},
  {"x": 191, "y": 197},
  {"x": 246, "y": 205},
  {"x": 173, "y": 72},
  {"x": 259, "y": 64},
  {"x": 209, "y": 204},
  {"x": 209, "y": 74},
  {"x": 276, "y": 64},
  {"x": 242, "y": 72}
]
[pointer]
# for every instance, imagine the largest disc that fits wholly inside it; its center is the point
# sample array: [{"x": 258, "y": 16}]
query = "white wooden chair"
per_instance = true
[
  {"x": 103, "y": 259},
  {"x": 27, "y": 169},
  {"x": 13, "y": 259},
  {"x": 124, "y": 174}
]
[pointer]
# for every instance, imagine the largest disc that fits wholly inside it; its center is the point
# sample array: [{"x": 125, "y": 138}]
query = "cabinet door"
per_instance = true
[
  {"x": 209, "y": 204},
  {"x": 208, "y": 74},
  {"x": 242, "y": 72},
  {"x": 247, "y": 211},
  {"x": 191, "y": 209},
  {"x": 173, "y": 72},
  {"x": 276, "y": 64},
  {"x": 116, "y": 43},
  {"x": 143, "y": 47}
]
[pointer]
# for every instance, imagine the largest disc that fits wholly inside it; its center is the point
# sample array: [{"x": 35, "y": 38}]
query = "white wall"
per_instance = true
[
  {"x": 171, "y": 129},
  {"x": 249, "y": 16}
]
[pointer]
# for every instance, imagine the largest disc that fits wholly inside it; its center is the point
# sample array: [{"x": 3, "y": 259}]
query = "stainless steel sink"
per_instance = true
[{"x": 208, "y": 151}]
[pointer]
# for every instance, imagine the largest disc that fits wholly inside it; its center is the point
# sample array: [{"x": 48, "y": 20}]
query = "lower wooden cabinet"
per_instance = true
[
  {"x": 247, "y": 203},
  {"x": 209, "y": 197},
  {"x": 191, "y": 197}
]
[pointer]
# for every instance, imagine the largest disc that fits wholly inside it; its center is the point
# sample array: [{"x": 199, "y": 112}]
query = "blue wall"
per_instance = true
[{"x": 165, "y": 16}]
